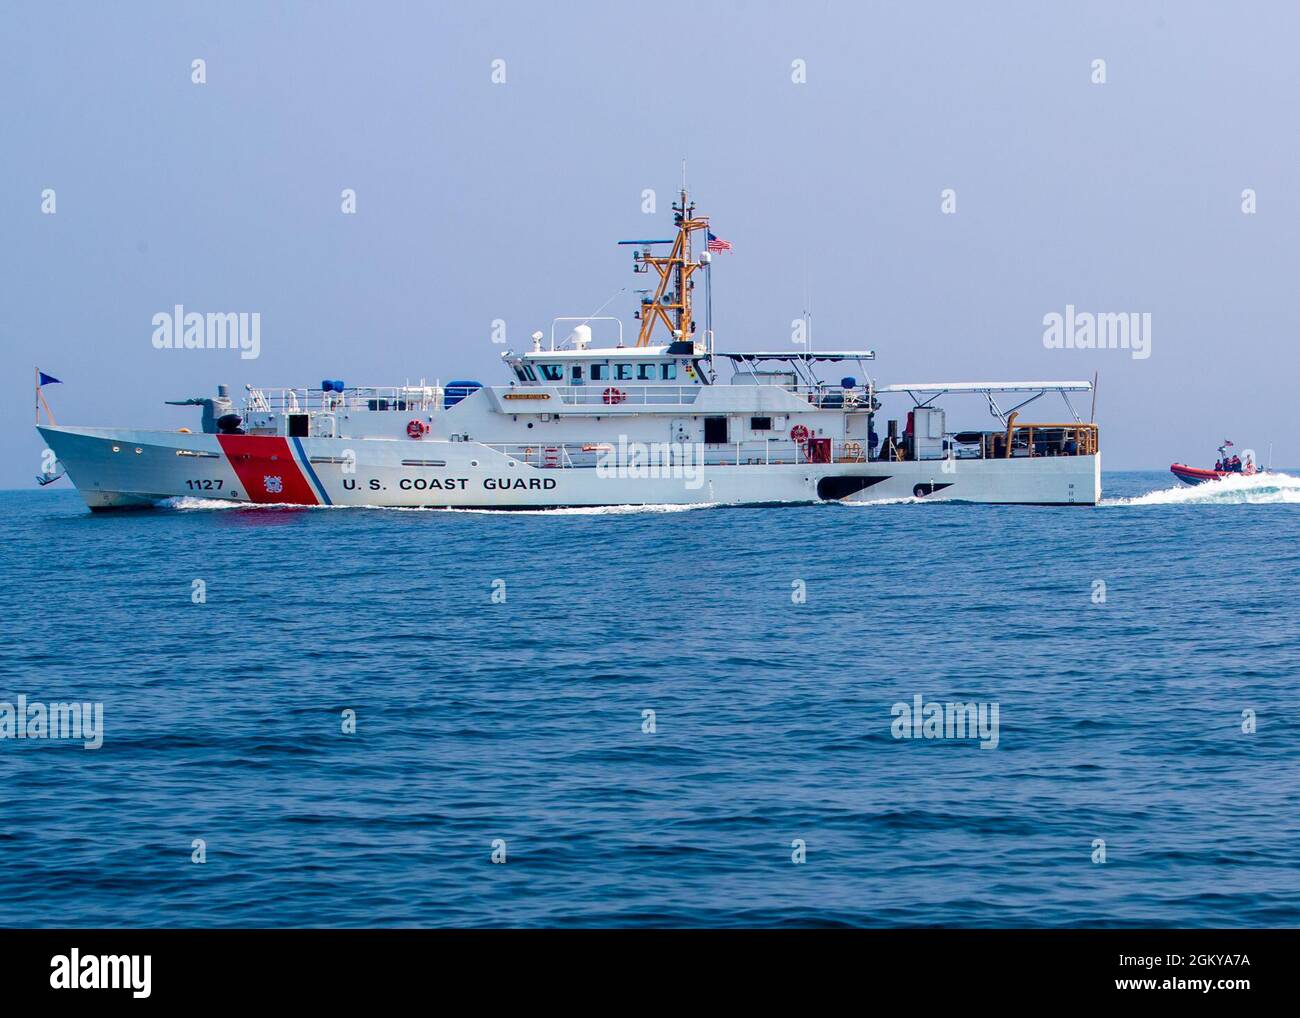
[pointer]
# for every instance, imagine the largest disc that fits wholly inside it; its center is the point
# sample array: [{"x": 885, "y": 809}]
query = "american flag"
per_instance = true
[{"x": 717, "y": 245}]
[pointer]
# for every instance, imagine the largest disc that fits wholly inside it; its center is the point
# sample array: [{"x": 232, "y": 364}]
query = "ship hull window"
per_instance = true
[
  {"x": 760, "y": 424},
  {"x": 299, "y": 425},
  {"x": 715, "y": 431}
]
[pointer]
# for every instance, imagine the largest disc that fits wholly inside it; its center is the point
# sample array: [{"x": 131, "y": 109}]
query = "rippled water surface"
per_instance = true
[{"x": 522, "y": 720}]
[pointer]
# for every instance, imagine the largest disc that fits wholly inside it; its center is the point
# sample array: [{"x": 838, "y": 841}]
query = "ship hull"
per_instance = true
[{"x": 116, "y": 469}]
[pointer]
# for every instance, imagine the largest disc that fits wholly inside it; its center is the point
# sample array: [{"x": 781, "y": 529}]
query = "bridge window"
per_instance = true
[
  {"x": 599, "y": 372},
  {"x": 645, "y": 372},
  {"x": 668, "y": 371},
  {"x": 623, "y": 372},
  {"x": 552, "y": 372}
]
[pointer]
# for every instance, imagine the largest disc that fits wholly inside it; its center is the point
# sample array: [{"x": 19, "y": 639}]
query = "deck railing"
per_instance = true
[
  {"x": 602, "y": 393},
  {"x": 784, "y": 451},
  {"x": 773, "y": 451},
  {"x": 1038, "y": 439},
  {"x": 422, "y": 398},
  {"x": 613, "y": 393},
  {"x": 426, "y": 398}
]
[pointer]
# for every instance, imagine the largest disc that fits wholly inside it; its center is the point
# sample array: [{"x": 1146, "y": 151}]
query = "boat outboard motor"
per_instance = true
[{"x": 217, "y": 411}]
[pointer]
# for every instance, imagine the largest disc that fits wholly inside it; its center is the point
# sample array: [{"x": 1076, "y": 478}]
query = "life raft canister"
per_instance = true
[
  {"x": 799, "y": 433},
  {"x": 417, "y": 429},
  {"x": 613, "y": 396}
]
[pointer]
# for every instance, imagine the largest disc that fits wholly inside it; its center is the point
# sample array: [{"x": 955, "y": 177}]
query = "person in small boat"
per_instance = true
[
  {"x": 1236, "y": 464},
  {"x": 1218, "y": 464}
]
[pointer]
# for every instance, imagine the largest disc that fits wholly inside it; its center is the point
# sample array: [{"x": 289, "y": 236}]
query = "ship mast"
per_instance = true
[{"x": 672, "y": 306}]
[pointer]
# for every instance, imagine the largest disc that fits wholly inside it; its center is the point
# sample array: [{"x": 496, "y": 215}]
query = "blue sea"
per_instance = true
[{"x": 1143, "y": 657}]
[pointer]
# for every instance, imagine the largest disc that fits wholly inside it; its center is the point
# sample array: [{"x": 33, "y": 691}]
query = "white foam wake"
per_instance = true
[
  {"x": 187, "y": 503},
  {"x": 1256, "y": 489},
  {"x": 575, "y": 510},
  {"x": 619, "y": 510},
  {"x": 876, "y": 503}
]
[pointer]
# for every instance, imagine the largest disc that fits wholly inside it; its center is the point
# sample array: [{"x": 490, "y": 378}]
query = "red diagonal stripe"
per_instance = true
[{"x": 260, "y": 459}]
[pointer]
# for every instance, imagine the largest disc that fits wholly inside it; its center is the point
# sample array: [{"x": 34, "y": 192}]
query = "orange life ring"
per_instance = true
[
  {"x": 799, "y": 434},
  {"x": 613, "y": 396},
  {"x": 416, "y": 429}
]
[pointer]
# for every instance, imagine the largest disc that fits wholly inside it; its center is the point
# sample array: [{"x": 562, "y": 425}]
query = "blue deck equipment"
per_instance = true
[{"x": 454, "y": 392}]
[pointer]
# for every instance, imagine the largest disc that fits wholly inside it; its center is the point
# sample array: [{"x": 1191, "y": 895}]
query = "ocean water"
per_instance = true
[{"x": 521, "y": 722}]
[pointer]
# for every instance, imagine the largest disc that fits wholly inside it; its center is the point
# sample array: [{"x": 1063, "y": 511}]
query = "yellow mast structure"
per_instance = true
[{"x": 671, "y": 303}]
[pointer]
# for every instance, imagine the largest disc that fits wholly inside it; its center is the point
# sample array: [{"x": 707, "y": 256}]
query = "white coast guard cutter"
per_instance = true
[{"x": 579, "y": 424}]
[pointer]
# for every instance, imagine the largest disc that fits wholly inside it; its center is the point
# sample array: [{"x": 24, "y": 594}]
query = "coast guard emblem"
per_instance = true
[{"x": 273, "y": 485}]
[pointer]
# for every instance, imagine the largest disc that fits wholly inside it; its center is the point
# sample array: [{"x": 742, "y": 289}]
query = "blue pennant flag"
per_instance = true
[{"x": 49, "y": 379}]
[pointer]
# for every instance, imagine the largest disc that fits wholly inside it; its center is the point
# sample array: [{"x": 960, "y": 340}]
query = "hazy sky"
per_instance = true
[{"x": 479, "y": 201}]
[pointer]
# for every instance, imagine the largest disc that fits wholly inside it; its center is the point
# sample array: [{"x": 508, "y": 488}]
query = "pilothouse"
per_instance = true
[{"x": 664, "y": 418}]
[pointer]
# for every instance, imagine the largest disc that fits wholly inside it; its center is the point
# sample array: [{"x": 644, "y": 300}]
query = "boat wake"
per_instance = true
[
  {"x": 618, "y": 510},
  {"x": 876, "y": 503},
  {"x": 575, "y": 510},
  {"x": 1257, "y": 489},
  {"x": 186, "y": 503}
]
